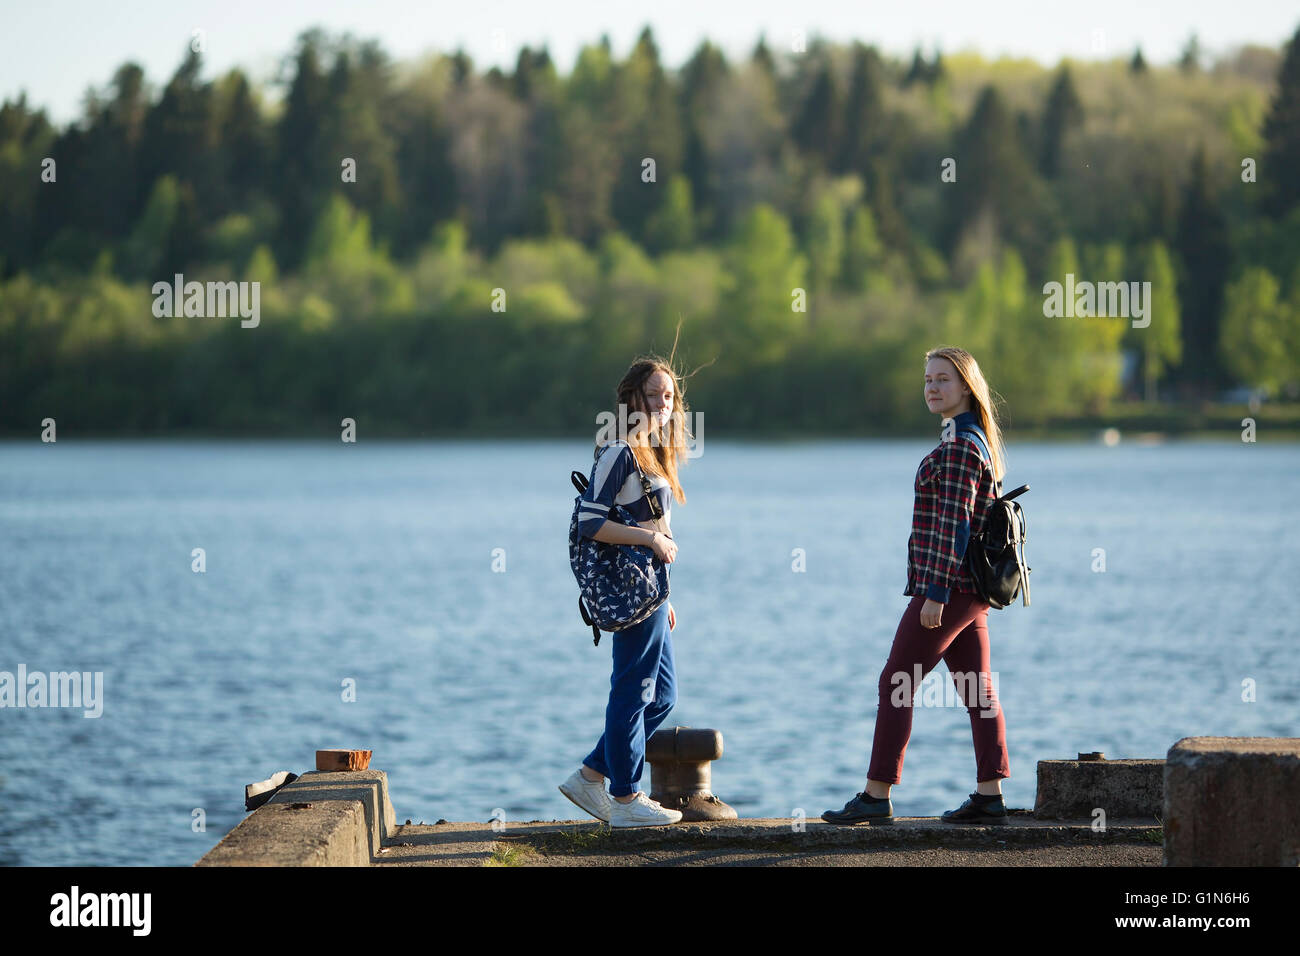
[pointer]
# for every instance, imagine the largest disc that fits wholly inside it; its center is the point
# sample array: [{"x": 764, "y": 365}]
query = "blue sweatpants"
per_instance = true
[{"x": 642, "y": 690}]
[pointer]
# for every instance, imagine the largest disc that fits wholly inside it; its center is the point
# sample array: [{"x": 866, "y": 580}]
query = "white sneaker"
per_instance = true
[
  {"x": 592, "y": 797},
  {"x": 641, "y": 812}
]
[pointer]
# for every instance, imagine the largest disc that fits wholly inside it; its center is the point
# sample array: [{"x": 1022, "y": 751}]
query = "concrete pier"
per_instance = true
[
  {"x": 321, "y": 819},
  {"x": 909, "y": 841},
  {"x": 347, "y": 819},
  {"x": 1233, "y": 801},
  {"x": 1226, "y": 801}
]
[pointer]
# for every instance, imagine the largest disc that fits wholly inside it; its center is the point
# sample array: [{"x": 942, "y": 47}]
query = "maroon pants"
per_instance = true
[{"x": 962, "y": 640}]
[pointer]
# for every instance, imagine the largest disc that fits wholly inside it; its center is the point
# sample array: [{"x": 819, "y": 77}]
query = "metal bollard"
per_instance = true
[{"x": 680, "y": 777}]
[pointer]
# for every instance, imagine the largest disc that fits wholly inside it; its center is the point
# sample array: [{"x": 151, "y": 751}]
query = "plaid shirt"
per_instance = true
[{"x": 954, "y": 489}]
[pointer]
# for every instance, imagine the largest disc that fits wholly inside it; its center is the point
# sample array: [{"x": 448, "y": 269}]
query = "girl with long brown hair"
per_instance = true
[{"x": 643, "y": 687}]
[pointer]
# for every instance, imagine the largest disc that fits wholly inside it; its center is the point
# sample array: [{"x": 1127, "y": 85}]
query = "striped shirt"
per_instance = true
[
  {"x": 614, "y": 480},
  {"x": 954, "y": 489}
]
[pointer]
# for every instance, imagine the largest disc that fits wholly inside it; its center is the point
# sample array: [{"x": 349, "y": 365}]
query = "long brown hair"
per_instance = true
[
  {"x": 660, "y": 456},
  {"x": 981, "y": 400}
]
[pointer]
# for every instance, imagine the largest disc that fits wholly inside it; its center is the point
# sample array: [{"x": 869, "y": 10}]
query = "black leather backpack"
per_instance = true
[{"x": 996, "y": 556}]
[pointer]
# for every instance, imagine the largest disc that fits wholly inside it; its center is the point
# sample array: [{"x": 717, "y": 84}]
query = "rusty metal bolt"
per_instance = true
[{"x": 680, "y": 777}]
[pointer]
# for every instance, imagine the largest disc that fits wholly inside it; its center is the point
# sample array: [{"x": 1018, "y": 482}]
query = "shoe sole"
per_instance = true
[
  {"x": 633, "y": 826},
  {"x": 856, "y": 823},
  {"x": 987, "y": 820},
  {"x": 574, "y": 800}
]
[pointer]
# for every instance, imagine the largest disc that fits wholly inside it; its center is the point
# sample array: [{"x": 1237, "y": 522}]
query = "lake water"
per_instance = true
[{"x": 478, "y": 689}]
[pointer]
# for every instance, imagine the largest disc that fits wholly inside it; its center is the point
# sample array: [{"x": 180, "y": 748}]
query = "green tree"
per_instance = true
[
  {"x": 180, "y": 136},
  {"x": 764, "y": 270},
  {"x": 864, "y": 253},
  {"x": 356, "y": 104},
  {"x": 864, "y": 115},
  {"x": 339, "y": 240},
  {"x": 1083, "y": 349},
  {"x": 1160, "y": 343},
  {"x": 994, "y": 178},
  {"x": 244, "y": 140},
  {"x": 700, "y": 83},
  {"x": 1282, "y": 137},
  {"x": 426, "y": 176},
  {"x": 1258, "y": 337},
  {"x": 1063, "y": 113},
  {"x": 673, "y": 224},
  {"x": 144, "y": 252},
  {"x": 25, "y": 139},
  {"x": 1203, "y": 247},
  {"x": 817, "y": 128},
  {"x": 762, "y": 57},
  {"x": 647, "y": 125},
  {"x": 825, "y": 241}
]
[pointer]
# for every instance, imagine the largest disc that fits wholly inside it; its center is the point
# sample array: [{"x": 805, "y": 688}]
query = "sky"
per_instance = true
[{"x": 54, "y": 50}]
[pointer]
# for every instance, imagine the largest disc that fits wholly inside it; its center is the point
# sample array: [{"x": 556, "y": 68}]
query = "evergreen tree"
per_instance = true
[
  {"x": 180, "y": 136},
  {"x": 116, "y": 136},
  {"x": 355, "y": 113},
  {"x": 25, "y": 139},
  {"x": 531, "y": 69},
  {"x": 1063, "y": 113},
  {"x": 817, "y": 126},
  {"x": 918, "y": 72},
  {"x": 427, "y": 178},
  {"x": 301, "y": 178},
  {"x": 701, "y": 79},
  {"x": 462, "y": 68},
  {"x": 245, "y": 142},
  {"x": 1202, "y": 245},
  {"x": 994, "y": 178},
  {"x": 1278, "y": 171},
  {"x": 646, "y": 110},
  {"x": 763, "y": 59},
  {"x": 864, "y": 119},
  {"x": 938, "y": 72}
]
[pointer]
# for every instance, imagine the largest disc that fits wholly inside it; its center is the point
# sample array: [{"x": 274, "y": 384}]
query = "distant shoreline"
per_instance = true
[{"x": 1136, "y": 423}]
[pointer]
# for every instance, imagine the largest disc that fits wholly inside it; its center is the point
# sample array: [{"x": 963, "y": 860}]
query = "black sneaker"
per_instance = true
[
  {"x": 979, "y": 808},
  {"x": 862, "y": 809}
]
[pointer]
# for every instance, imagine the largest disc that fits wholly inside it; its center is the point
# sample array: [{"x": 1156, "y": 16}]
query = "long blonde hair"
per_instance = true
[{"x": 981, "y": 400}]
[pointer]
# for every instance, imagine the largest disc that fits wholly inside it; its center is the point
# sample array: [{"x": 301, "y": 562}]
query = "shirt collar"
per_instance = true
[{"x": 964, "y": 419}]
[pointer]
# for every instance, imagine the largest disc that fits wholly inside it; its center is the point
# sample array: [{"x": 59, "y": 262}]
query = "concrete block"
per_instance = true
[
  {"x": 320, "y": 819},
  {"x": 1073, "y": 789},
  {"x": 1232, "y": 801}
]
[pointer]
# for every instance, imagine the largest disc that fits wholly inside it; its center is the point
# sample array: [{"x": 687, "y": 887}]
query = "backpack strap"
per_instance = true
[
  {"x": 656, "y": 510},
  {"x": 981, "y": 442},
  {"x": 586, "y": 619}
]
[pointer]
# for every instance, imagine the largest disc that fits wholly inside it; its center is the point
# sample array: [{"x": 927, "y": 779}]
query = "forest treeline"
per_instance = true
[{"x": 441, "y": 249}]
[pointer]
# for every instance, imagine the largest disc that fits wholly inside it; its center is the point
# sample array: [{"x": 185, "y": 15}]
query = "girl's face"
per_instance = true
[
  {"x": 659, "y": 399},
  {"x": 945, "y": 393}
]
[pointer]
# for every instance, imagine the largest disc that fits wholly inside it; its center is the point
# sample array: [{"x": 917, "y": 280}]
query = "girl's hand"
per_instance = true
[
  {"x": 931, "y": 612},
  {"x": 664, "y": 547},
  {"x": 672, "y": 618}
]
